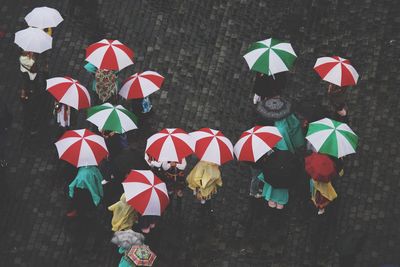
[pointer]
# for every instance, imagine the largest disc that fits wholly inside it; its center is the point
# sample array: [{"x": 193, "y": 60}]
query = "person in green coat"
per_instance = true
[{"x": 85, "y": 187}]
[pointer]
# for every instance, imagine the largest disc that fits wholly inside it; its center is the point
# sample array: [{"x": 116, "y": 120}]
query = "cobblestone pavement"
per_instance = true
[{"x": 198, "y": 47}]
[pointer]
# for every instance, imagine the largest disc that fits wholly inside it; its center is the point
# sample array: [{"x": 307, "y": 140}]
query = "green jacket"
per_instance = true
[{"x": 88, "y": 178}]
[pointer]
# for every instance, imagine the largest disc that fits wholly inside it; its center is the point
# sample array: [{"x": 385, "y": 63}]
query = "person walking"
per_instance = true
[
  {"x": 174, "y": 177},
  {"x": 337, "y": 103},
  {"x": 204, "y": 180},
  {"x": 266, "y": 87}
]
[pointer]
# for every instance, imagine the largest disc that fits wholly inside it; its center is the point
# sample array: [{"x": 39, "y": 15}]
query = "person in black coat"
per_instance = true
[{"x": 268, "y": 86}]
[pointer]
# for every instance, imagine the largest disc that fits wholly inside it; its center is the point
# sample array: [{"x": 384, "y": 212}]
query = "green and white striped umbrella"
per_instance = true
[
  {"x": 332, "y": 137},
  {"x": 270, "y": 56},
  {"x": 108, "y": 117}
]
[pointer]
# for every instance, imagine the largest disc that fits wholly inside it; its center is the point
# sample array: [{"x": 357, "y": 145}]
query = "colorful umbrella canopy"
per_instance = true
[
  {"x": 320, "y": 167},
  {"x": 141, "y": 255},
  {"x": 336, "y": 70},
  {"x": 33, "y": 40},
  {"x": 145, "y": 192},
  {"x": 81, "y": 148},
  {"x": 116, "y": 119},
  {"x": 170, "y": 144},
  {"x": 212, "y": 146},
  {"x": 256, "y": 142},
  {"x": 109, "y": 54},
  {"x": 332, "y": 137},
  {"x": 69, "y": 92},
  {"x": 141, "y": 85},
  {"x": 43, "y": 17},
  {"x": 270, "y": 56}
]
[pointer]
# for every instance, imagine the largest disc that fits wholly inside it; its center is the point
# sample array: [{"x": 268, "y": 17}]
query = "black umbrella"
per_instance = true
[{"x": 281, "y": 169}]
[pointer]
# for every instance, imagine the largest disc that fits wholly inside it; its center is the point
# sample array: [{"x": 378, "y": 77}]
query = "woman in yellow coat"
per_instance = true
[
  {"x": 204, "y": 179},
  {"x": 322, "y": 193},
  {"x": 124, "y": 216}
]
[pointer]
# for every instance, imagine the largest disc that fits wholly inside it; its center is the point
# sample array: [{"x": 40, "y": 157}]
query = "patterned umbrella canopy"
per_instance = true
[
  {"x": 336, "y": 70},
  {"x": 332, "y": 137},
  {"x": 109, "y": 54},
  {"x": 81, "y": 148},
  {"x": 108, "y": 117},
  {"x": 212, "y": 146},
  {"x": 142, "y": 255},
  {"x": 270, "y": 56},
  {"x": 69, "y": 92},
  {"x": 256, "y": 142},
  {"x": 145, "y": 192},
  {"x": 170, "y": 144},
  {"x": 141, "y": 85}
]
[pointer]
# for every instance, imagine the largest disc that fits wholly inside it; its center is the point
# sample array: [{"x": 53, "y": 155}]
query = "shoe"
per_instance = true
[
  {"x": 321, "y": 211},
  {"x": 272, "y": 204},
  {"x": 258, "y": 195},
  {"x": 103, "y": 182},
  {"x": 72, "y": 214},
  {"x": 279, "y": 206}
]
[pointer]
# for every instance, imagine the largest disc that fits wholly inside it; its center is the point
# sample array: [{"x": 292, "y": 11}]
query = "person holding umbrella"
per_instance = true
[
  {"x": 268, "y": 86},
  {"x": 321, "y": 169},
  {"x": 279, "y": 174},
  {"x": 204, "y": 180},
  {"x": 340, "y": 74},
  {"x": 174, "y": 178},
  {"x": 277, "y": 112}
]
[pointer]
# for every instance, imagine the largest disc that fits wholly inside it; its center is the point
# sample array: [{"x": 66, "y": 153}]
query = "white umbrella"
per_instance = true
[
  {"x": 33, "y": 40},
  {"x": 43, "y": 17}
]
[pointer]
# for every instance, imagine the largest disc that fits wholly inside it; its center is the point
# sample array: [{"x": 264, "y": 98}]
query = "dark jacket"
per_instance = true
[{"x": 269, "y": 86}]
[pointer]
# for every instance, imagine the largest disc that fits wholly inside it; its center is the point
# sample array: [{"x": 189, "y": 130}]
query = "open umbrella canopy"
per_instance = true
[
  {"x": 141, "y": 85},
  {"x": 116, "y": 119},
  {"x": 69, "y": 92},
  {"x": 256, "y": 142},
  {"x": 145, "y": 192},
  {"x": 281, "y": 169},
  {"x": 81, "y": 148},
  {"x": 332, "y": 137},
  {"x": 141, "y": 255},
  {"x": 43, "y": 17},
  {"x": 336, "y": 70},
  {"x": 109, "y": 54},
  {"x": 212, "y": 146},
  {"x": 270, "y": 56},
  {"x": 320, "y": 167},
  {"x": 170, "y": 144},
  {"x": 33, "y": 40}
]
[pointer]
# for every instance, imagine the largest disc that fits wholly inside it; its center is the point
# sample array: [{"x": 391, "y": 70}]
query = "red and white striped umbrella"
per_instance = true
[
  {"x": 256, "y": 142},
  {"x": 212, "y": 146},
  {"x": 145, "y": 192},
  {"x": 170, "y": 144},
  {"x": 142, "y": 84},
  {"x": 109, "y": 54},
  {"x": 69, "y": 92},
  {"x": 336, "y": 70},
  {"x": 81, "y": 148}
]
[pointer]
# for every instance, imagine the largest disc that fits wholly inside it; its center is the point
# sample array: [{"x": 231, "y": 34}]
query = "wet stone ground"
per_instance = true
[{"x": 198, "y": 47}]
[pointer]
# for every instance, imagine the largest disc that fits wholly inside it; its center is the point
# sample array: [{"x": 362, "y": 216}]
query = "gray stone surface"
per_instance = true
[{"x": 198, "y": 47}]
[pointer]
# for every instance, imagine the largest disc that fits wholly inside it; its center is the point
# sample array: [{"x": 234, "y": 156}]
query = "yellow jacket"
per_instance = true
[
  {"x": 325, "y": 189},
  {"x": 204, "y": 178},
  {"x": 124, "y": 216}
]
